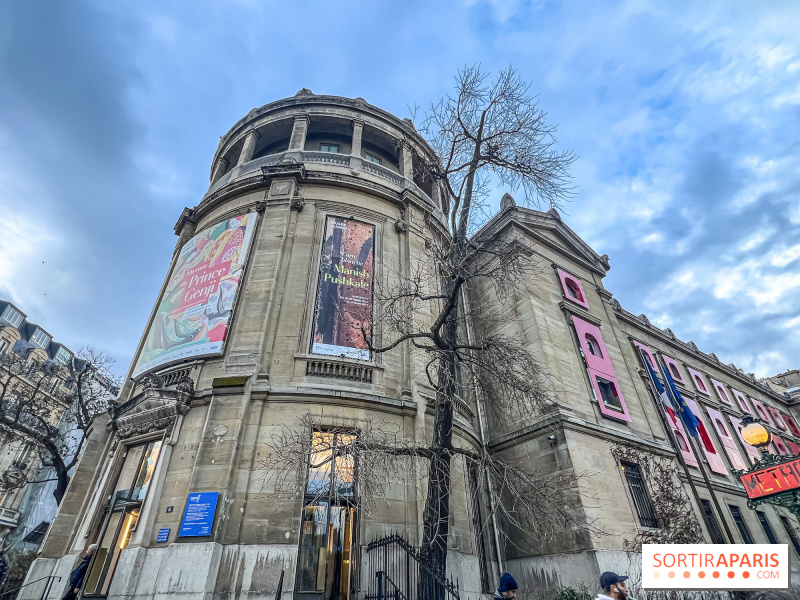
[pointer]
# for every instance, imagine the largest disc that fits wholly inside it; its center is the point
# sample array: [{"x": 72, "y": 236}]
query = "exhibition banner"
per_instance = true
[
  {"x": 344, "y": 292},
  {"x": 195, "y": 311}
]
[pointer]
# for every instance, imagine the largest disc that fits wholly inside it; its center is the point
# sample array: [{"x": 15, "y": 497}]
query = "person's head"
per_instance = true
[
  {"x": 91, "y": 549},
  {"x": 508, "y": 587},
  {"x": 614, "y": 585}
]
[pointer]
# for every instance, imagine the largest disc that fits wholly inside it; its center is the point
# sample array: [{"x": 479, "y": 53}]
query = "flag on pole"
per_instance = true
[
  {"x": 659, "y": 387},
  {"x": 690, "y": 422}
]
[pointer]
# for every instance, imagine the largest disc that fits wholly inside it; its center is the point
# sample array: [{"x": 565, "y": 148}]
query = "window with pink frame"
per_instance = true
[
  {"x": 740, "y": 398},
  {"x": 648, "y": 353},
  {"x": 698, "y": 380},
  {"x": 761, "y": 411},
  {"x": 722, "y": 393},
  {"x": 674, "y": 369},
  {"x": 601, "y": 372},
  {"x": 791, "y": 423},
  {"x": 573, "y": 289}
]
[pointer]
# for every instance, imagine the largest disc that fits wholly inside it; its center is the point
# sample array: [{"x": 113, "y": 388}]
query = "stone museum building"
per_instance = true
[{"x": 313, "y": 201}]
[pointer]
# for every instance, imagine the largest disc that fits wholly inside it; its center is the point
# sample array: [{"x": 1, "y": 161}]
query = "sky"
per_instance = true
[{"x": 685, "y": 117}]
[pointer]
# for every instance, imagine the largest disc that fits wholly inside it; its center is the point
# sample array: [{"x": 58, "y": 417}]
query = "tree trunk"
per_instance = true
[
  {"x": 436, "y": 516},
  {"x": 62, "y": 481}
]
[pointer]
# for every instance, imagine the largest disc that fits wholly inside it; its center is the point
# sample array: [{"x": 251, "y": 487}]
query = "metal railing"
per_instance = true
[
  {"x": 397, "y": 571},
  {"x": 49, "y": 581}
]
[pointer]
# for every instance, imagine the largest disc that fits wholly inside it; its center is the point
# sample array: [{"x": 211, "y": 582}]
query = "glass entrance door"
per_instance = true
[
  {"x": 122, "y": 515},
  {"x": 325, "y": 569}
]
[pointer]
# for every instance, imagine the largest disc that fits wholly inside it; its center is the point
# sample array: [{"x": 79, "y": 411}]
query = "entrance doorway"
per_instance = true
[
  {"x": 325, "y": 565},
  {"x": 122, "y": 515}
]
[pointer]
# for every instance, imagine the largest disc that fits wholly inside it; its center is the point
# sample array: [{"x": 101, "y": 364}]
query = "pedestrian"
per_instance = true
[
  {"x": 614, "y": 587},
  {"x": 79, "y": 574},
  {"x": 507, "y": 588}
]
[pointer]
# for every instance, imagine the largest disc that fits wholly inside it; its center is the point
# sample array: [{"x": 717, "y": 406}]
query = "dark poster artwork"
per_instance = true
[{"x": 344, "y": 295}]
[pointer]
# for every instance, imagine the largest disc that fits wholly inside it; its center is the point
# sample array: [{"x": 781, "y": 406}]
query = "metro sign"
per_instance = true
[{"x": 780, "y": 478}]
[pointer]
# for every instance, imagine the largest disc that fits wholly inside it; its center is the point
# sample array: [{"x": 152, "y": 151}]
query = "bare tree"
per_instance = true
[
  {"x": 487, "y": 132},
  {"x": 46, "y": 409},
  {"x": 484, "y": 132}
]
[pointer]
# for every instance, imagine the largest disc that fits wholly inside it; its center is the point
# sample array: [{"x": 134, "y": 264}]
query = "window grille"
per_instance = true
[
  {"x": 641, "y": 499},
  {"x": 790, "y": 532},
  {"x": 739, "y": 520},
  {"x": 767, "y": 529},
  {"x": 716, "y": 532}
]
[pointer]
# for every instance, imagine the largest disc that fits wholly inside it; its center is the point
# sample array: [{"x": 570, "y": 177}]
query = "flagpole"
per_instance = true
[
  {"x": 699, "y": 454},
  {"x": 675, "y": 446}
]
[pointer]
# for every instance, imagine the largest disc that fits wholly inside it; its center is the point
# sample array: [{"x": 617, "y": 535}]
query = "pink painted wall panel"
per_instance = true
[
  {"x": 793, "y": 447},
  {"x": 752, "y": 453},
  {"x": 674, "y": 368},
  {"x": 650, "y": 358},
  {"x": 726, "y": 437},
  {"x": 699, "y": 381},
  {"x": 712, "y": 455},
  {"x": 740, "y": 398},
  {"x": 776, "y": 418},
  {"x": 719, "y": 387},
  {"x": 791, "y": 423},
  {"x": 780, "y": 445},
  {"x": 598, "y": 363},
  {"x": 564, "y": 277},
  {"x": 760, "y": 411}
]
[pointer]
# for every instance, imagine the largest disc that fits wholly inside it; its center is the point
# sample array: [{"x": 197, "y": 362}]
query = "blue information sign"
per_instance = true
[
  {"x": 198, "y": 517},
  {"x": 163, "y": 535}
]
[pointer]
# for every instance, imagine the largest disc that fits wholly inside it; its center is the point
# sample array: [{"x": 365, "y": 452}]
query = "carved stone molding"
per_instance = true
[
  {"x": 156, "y": 409},
  {"x": 298, "y": 203}
]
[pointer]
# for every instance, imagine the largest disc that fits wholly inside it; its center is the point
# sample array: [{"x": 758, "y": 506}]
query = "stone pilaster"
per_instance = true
[{"x": 246, "y": 155}]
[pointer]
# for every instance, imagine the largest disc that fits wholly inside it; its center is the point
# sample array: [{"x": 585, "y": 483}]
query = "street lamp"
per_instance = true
[{"x": 755, "y": 434}]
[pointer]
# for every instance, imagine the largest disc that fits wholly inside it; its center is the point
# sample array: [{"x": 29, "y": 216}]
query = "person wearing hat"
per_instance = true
[
  {"x": 507, "y": 588},
  {"x": 614, "y": 587}
]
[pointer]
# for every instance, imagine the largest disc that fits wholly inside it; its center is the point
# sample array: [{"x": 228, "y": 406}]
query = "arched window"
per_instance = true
[
  {"x": 721, "y": 428},
  {"x": 594, "y": 347},
  {"x": 574, "y": 290},
  {"x": 681, "y": 441},
  {"x": 700, "y": 384},
  {"x": 762, "y": 413},
  {"x": 674, "y": 370}
]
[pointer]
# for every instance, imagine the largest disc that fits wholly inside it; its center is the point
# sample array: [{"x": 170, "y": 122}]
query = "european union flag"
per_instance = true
[{"x": 687, "y": 416}]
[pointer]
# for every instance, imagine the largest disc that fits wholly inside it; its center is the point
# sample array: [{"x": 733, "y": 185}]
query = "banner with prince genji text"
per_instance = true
[{"x": 195, "y": 311}]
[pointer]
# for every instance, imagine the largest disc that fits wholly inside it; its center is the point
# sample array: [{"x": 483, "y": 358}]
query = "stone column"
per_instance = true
[
  {"x": 355, "y": 152},
  {"x": 249, "y": 147},
  {"x": 219, "y": 169},
  {"x": 298, "y": 140},
  {"x": 406, "y": 164}
]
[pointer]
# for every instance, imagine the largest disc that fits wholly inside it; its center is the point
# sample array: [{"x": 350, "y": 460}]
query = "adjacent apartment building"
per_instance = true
[{"x": 312, "y": 200}]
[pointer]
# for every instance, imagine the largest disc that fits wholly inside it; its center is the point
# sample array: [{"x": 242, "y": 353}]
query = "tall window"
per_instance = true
[
  {"x": 328, "y": 521},
  {"x": 716, "y": 532},
  {"x": 12, "y": 317},
  {"x": 477, "y": 528},
  {"x": 739, "y": 520},
  {"x": 122, "y": 514},
  {"x": 3, "y": 346},
  {"x": 40, "y": 338},
  {"x": 641, "y": 499},
  {"x": 762, "y": 518},
  {"x": 790, "y": 532}
]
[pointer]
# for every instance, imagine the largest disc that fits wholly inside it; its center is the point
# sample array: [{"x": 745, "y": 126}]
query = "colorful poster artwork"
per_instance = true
[
  {"x": 194, "y": 313},
  {"x": 344, "y": 294}
]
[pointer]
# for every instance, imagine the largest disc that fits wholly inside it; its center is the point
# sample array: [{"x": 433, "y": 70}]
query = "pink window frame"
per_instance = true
[
  {"x": 694, "y": 375},
  {"x": 722, "y": 393},
  {"x": 650, "y": 358},
  {"x": 776, "y": 418},
  {"x": 752, "y": 452},
  {"x": 678, "y": 430},
  {"x": 791, "y": 423},
  {"x": 763, "y": 413},
  {"x": 598, "y": 363},
  {"x": 668, "y": 362},
  {"x": 564, "y": 276},
  {"x": 780, "y": 445},
  {"x": 727, "y": 439},
  {"x": 620, "y": 414},
  {"x": 742, "y": 400},
  {"x": 714, "y": 459},
  {"x": 793, "y": 447}
]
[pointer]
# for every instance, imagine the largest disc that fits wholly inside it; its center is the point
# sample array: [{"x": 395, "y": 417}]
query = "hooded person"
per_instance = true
[
  {"x": 613, "y": 586},
  {"x": 507, "y": 589}
]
